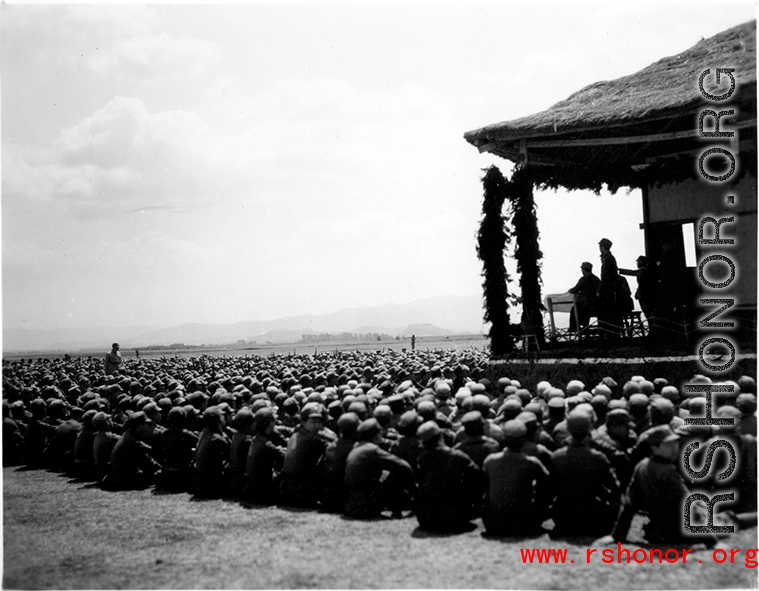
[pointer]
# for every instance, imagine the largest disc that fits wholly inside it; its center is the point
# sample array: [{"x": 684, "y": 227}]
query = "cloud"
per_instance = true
[
  {"x": 157, "y": 57},
  {"x": 62, "y": 34}
]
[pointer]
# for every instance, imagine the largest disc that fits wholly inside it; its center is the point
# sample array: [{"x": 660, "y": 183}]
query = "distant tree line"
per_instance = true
[{"x": 343, "y": 337}]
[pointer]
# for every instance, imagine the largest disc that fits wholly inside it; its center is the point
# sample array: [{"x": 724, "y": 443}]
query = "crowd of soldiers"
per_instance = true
[{"x": 388, "y": 434}]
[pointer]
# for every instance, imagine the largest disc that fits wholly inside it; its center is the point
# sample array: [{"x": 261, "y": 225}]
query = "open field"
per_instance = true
[
  {"x": 67, "y": 535},
  {"x": 456, "y": 342}
]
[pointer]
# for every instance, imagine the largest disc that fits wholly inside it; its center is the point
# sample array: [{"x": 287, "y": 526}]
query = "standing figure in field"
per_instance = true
[
  {"x": 586, "y": 298},
  {"x": 113, "y": 360}
]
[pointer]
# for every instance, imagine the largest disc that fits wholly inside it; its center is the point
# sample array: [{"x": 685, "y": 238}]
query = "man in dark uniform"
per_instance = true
[
  {"x": 518, "y": 487},
  {"x": 300, "y": 481},
  {"x": 450, "y": 484},
  {"x": 584, "y": 482},
  {"x": 38, "y": 431},
  {"x": 239, "y": 447},
  {"x": 102, "y": 444},
  {"x": 131, "y": 465},
  {"x": 609, "y": 317},
  {"x": 616, "y": 439},
  {"x": 212, "y": 456},
  {"x": 586, "y": 298},
  {"x": 648, "y": 285},
  {"x": 368, "y": 490},
  {"x": 475, "y": 444},
  {"x": 657, "y": 489},
  {"x": 177, "y": 449},
  {"x": 409, "y": 446},
  {"x": 335, "y": 457},
  {"x": 264, "y": 461},
  {"x": 84, "y": 465}
]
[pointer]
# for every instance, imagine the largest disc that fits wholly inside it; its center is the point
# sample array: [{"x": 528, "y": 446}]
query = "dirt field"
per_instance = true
[{"x": 67, "y": 535}]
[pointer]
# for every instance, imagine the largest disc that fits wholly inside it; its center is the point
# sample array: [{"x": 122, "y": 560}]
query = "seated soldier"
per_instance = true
[
  {"x": 335, "y": 457},
  {"x": 658, "y": 490},
  {"x": 375, "y": 480},
  {"x": 38, "y": 431},
  {"x": 264, "y": 461},
  {"x": 409, "y": 446},
  {"x": 300, "y": 480},
  {"x": 131, "y": 465},
  {"x": 450, "y": 484},
  {"x": 475, "y": 444},
  {"x": 587, "y": 491},
  {"x": 238, "y": 449},
  {"x": 103, "y": 444},
  {"x": 585, "y": 298},
  {"x": 212, "y": 456},
  {"x": 84, "y": 467},
  {"x": 177, "y": 449},
  {"x": 518, "y": 487}
]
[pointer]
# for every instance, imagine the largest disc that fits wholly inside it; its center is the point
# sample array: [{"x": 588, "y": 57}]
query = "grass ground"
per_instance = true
[{"x": 67, "y": 535}]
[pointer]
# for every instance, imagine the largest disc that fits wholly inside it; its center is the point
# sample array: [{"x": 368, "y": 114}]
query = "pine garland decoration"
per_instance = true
[
  {"x": 527, "y": 250},
  {"x": 492, "y": 238}
]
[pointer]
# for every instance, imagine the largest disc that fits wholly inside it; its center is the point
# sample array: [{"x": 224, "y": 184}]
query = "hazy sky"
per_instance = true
[{"x": 180, "y": 163}]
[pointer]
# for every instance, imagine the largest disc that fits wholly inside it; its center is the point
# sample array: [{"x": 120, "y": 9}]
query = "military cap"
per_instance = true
[
  {"x": 137, "y": 419},
  {"x": 428, "y": 431},
  {"x": 382, "y": 411},
  {"x": 368, "y": 429},
  {"x": 638, "y": 400},
  {"x": 575, "y": 387},
  {"x": 556, "y": 402},
  {"x": 746, "y": 403},
  {"x": 473, "y": 416},
  {"x": 527, "y": 418},
  {"x": 100, "y": 421},
  {"x": 177, "y": 416},
  {"x": 95, "y": 404},
  {"x": 618, "y": 416},
  {"x": 663, "y": 410},
  {"x": 747, "y": 384},
  {"x": 602, "y": 390},
  {"x": 586, "y": 265},
  {"x": 555, "y": 393},
  {"x": 535, "y": 408},
  {"x": 670, "y": 393},
  {"x": 661, "y": 434},
  {"x": 443, "y": 389},
  {"x": 262, "y": 418},
  {"x": 605, "y": 242},
  {"x": 514, "y": 432},
  {"x": 243, "y": 419},
  {"x": 542, "y": 388},
  {"x": 312, "y": 410},
  {"x": 578, "y": 424},
  {"x": 409, "y": 422},
  {"x": 348, "y": 424}
]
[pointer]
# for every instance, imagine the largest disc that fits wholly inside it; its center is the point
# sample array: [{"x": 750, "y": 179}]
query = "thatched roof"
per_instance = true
[{"x": 609, "y": 126}]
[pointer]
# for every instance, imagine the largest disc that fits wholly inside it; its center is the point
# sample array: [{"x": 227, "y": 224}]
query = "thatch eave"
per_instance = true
[{"x": 663, "y": 96}]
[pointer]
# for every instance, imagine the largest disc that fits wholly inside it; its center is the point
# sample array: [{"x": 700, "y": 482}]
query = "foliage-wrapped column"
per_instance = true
[
  {"x": 527, "y": 250},
  {"x": 492, "y": 239}
]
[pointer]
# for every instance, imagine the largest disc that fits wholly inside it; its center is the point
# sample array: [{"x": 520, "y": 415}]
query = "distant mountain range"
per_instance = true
[{"x": 436, "y": 316}]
